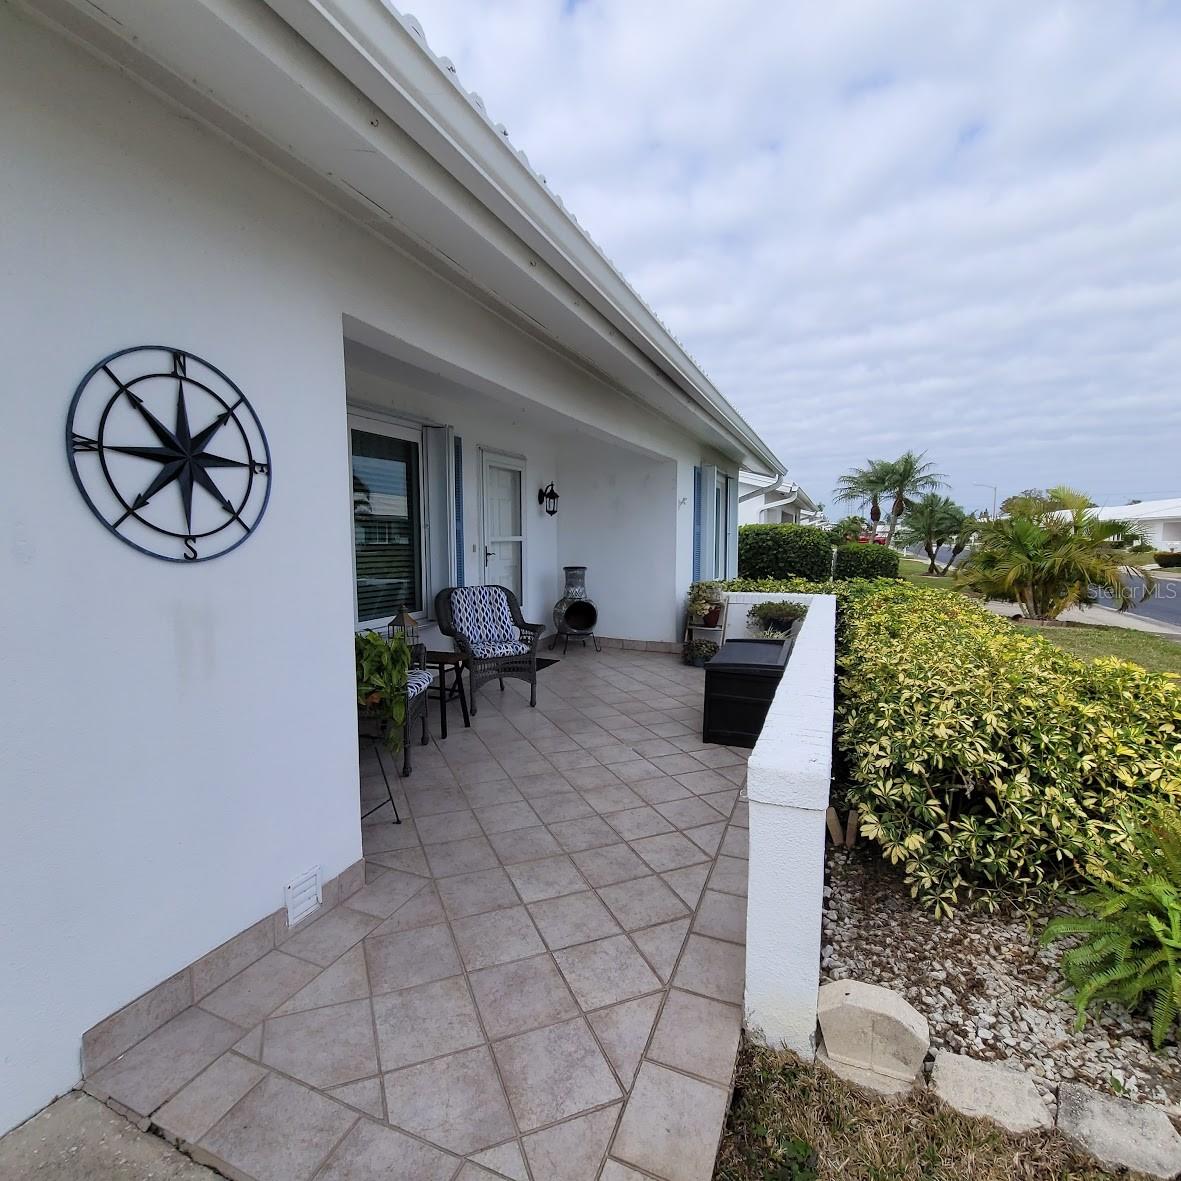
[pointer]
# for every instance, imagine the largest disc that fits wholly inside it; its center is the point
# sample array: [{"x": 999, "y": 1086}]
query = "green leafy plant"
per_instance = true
[
  {"x": 934, "y": 522},
  {"x": 846, "y": 529},
  {"x": 860, "y": 559},
  {"x": 983, "y": 760},
  {"x": 784, "y": 551},
  {"x": 1054, "y": 558},
  {"x": 703, "y": 597},
  {"x": 776, "y": 618},
  {"x": 1131, "y": 927},
  {"x": 382, "y": 665},
  {"x": 1164, "y": 558},
  {"x": 698, "y": 651}
]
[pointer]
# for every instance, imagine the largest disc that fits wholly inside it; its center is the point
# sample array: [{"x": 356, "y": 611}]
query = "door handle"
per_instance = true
[{"x": 488, "y": 553}]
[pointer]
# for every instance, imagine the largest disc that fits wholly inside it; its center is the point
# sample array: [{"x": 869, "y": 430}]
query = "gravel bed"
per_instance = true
[{"x": 985, "y": 985}]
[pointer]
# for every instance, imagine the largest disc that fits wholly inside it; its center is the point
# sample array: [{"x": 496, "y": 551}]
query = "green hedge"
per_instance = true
[
  {"x": 1164, "y": 559},
  {"x": 784, "y": 551},
  {"x": 863, "y": 559},
  {"x": 985, "y": 761}
]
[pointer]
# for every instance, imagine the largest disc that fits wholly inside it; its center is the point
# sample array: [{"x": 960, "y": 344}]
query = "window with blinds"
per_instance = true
[{"x": 387, "y": 524}]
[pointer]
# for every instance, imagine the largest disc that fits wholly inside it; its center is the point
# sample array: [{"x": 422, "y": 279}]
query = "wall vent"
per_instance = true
[{"x": 303, "y": 895}]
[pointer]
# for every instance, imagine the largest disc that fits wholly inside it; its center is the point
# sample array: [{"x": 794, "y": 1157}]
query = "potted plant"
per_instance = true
[
  {"x": 382, "y": 665},
  {"x": 705, "y": 603},
  {"x": 775, "y": 619},
  {"x": 697, "y": 652}
]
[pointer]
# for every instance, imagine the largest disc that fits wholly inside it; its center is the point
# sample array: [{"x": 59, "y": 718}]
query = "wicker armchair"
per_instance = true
[{"x": 491, "y": 635}]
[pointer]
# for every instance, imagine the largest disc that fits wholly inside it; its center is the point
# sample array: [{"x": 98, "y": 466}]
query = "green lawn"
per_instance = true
[
  {"x": 1158, "y": 654},
  {"x": 915, "y": 571}
]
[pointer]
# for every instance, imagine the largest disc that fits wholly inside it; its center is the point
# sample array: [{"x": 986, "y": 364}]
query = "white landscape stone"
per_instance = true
[
  {"x": 1119, "y": 1134},
  {"x": 871, "y": 1080},
  {"x": 873, "y": 1028},
  {"x": 1007, "y": 1096}
]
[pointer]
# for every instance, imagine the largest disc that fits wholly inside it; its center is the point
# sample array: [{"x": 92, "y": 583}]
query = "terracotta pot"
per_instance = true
[{"x": 712, "y": 616}]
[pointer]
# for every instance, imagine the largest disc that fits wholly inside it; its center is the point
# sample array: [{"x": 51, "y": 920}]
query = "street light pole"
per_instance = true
[{"x": 993, "y": 487}]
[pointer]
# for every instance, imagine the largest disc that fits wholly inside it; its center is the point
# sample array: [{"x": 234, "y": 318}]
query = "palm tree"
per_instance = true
[
  {"x": 865, "y": 486},
  {"x": 1053, "y": 559},
  {"x": 930, "y": 522},
  {"x": 966, "y": 527},
  {"x": 908, "y": 477}
]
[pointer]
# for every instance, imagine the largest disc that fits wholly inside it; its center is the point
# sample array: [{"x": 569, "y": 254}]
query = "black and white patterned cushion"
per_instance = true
[
  {"x": 418, "y": 681},
  {"x": 481, "y": 615},
  {"x": 500, "y": 648}
]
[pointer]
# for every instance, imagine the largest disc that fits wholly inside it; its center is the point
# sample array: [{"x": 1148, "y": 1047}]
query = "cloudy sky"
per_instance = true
[{"x": 953, "y": 227}]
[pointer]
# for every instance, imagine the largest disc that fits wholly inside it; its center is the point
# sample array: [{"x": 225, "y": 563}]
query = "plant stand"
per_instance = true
[{"x": 377, "y": 740}]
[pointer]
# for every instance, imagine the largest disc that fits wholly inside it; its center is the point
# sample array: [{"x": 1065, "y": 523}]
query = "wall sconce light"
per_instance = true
[{"x": 548, "y": 496}]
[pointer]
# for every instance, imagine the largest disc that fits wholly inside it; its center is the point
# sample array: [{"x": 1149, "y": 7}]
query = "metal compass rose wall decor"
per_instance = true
[{"x": 168, "y": 453}]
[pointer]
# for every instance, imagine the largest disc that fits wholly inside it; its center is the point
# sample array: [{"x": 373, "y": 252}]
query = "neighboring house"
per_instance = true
[
  {"x": 1158, "y": 520},
  {"x": 390, "y": 335},
  {"x": 772, "y": 501}
]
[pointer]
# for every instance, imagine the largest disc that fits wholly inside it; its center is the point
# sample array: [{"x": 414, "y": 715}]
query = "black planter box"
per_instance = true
[{"x": 740, "y": 682}]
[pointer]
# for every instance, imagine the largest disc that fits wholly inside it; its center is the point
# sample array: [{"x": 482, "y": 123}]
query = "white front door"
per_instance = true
[{"x": 503, "y": 521}]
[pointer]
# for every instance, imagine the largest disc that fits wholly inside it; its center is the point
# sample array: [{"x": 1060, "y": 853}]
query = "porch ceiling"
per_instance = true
[{"x": 546, "y": 964}]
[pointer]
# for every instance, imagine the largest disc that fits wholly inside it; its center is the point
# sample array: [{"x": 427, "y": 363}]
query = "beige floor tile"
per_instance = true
[
  {"x": 671, "y": 1125},
  {"x": 588, "y": 778},
  {"x": 705, "y": 781},
  {"x": 422, "y": 910},
  {"x": 636, "y": 770},
  {"x": 281, "y": 1131},
  {"x": 572, "y": 918},
  {"x": 659, "y": 789},
  {"x": 524, "y": 844},
  {"x": 718, "y": 756},
  {"x": 707, "y": 837},
  {"x": 572, "y": 760},
  {"x": 410, "y": 957},
  {"x": 330, "y": 936},
  {"x": 425, "y": 1021},
  {"x": 496, "y": 937},
  {"x": 523, "y": 995},
  {"x": 372, "y": 1151},
  {"x": 689, "y": 813},
  {"x": 736, "y": 842},
  {"x": 642, "y": 903},
  {"x": 549, "y": 783},
  {"x": 506, "y": 817},
  {"x": 323, "y": 1047},
  {"x": 662, "y": 944},
  {"x": 385, "y": 838},
  {"x": 554, "y": 1073},
  {"x": 345, "y": 980},
  {"x": 573, "y": 1150},
  {"x": 638, "y": 822},
  {"x": 189, "y": 1114},
  {"x": 464, "y": 856},
  {"x": 407, "y": 860},
  {"x": 654, "y": 748},
  {"x": 364, "y": 1095},
  {"x": 688, "y": 883},
  {"x": 586, "y": 833},
  {"x": 262, "y": 988},
  {"x": 712, "y": 968},
  {"x": 492, "y": 792},
  {"x": 675, "y": 764},
  {"x": 605, "y": 972},
  {"x": 474, "y": 893},
  {"x": 619, "y": 798},
  {"x": 623, "y": 1032},
  {"x": 448, "y": 826},
  {"x": 455, "y": 1102},
  {"x": 698, "y": 1036},
  {"x": 433, "y": 801},
  {"x": 505, "y": 1160},
  {"x": 723, "y": 801},
  {"x": 547, "y": 878},
  {"x": 380, "y": 898},
  {"x": 669, "y": 850},
  {"x": 729, "y": 875},
  {"x": 609, "y": 864},
  {"x": 721, "y": 916},
  {"x": 570, "y": 806},
  {"x": 615, "y": 754},
  {"x": 614, "y": 1171}
]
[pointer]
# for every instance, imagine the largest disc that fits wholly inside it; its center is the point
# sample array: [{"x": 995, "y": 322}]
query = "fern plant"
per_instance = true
[{"x": 1131, "y": 927}]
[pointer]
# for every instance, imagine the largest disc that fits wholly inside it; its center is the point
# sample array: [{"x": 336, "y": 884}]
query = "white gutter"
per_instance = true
[{"x": 385, "y": 55}]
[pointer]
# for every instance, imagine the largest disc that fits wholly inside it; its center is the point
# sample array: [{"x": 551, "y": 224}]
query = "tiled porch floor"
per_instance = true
[{"x": 541, "y": 979}]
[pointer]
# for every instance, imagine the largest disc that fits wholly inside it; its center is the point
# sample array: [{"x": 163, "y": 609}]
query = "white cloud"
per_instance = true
[{"x": 879, "y": 225}]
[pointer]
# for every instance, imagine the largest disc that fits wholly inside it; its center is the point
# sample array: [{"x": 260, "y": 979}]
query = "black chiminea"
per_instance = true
[{"x": 575, "y": 615}]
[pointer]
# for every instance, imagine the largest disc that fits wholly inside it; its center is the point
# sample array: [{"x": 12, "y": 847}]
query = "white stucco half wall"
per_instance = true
[{"x": 788, "y": 786}]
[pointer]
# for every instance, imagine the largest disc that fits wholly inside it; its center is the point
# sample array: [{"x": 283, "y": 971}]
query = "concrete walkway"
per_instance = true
[
  {"x": 78, "y": 1139},
  {"x": 1098, "y": 616}
]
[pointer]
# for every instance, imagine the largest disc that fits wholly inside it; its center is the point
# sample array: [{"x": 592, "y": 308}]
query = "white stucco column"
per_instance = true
[{"x": 787, "y": 783}]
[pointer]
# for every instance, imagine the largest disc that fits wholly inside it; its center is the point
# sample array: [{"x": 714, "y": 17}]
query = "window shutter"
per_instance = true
[
  {"x": 707, "y": 500},
  {"x": 731, "y": 570},
  {"x": 459, "y": 512},
  {"x": 697, "y": 524}
]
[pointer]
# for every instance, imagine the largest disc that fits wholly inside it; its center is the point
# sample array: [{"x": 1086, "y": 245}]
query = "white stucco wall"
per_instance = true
[
  {"x": 179, "y": 741},
  {"x": 787, "y": 784}
]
